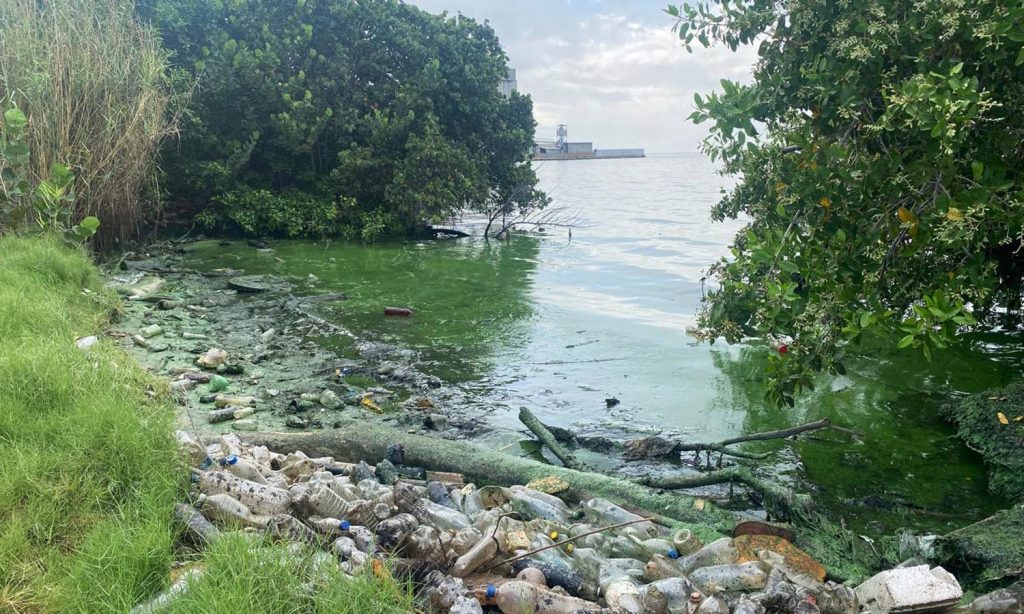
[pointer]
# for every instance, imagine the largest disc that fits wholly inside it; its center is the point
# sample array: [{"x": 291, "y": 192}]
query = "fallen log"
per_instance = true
[
  {"x": 544, "y": 435},
  {"x": 356, "y": 440}
]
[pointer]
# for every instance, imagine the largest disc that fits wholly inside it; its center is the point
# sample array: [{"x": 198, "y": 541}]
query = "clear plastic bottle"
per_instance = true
[
  {"x": 465, "y": 539},
  {"x": 243, "y": 468},
  {"x": 442, "y": 517},
  {"x": 520, "y": 596},
  {"x": 677, "y": 593},
  {"x": 713, "y": 605},
  {"x": 483, "y": 552},
  {"x": 603, "y": 512},
  {"x": 719, "y": 552},
  {"x": 686, "y": 543},
  {"x": 259, "y": 498},
  {"x": 728, "y": 578}
]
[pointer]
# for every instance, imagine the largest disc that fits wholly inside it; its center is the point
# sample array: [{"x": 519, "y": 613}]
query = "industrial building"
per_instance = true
[{"x": 561, "y": 148}]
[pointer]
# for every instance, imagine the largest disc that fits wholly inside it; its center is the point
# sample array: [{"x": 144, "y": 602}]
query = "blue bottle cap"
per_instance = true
[
  {"x": 491, "y": 591},
  {"x": 344, "y": 525},
  {"x": 229, "y": 460},
  {"x": 673, "y": 554}
]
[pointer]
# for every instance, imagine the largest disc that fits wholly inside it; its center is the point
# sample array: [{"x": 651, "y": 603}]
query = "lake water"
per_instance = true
[{"x": 561, "y": 324}]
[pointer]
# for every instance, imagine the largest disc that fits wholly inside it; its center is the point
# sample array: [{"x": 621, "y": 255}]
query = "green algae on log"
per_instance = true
[
  {"x": 843, "y": 553},
  {"x": 1002, "y": 445},
  {"x": 356, "y": 440}
]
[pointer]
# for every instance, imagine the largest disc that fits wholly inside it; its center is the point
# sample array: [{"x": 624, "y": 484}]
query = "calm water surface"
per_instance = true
[{"x": 560, "y": 324}]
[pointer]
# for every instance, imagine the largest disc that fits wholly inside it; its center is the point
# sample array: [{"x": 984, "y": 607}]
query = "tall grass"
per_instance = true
[
  {"x": 93, "y": 84},
  {"x": 88, "y": 465}
]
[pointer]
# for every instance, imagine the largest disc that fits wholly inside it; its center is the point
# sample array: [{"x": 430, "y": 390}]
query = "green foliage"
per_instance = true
[
  {"x": 49, "y": 204},
  {"x": 391, "y": 112},
  {"x": 89, "y": 472},
  {"x": 257, "y": 212},
  {"x": 92, "y": 86},
  {"x": 880, "y": 170}
]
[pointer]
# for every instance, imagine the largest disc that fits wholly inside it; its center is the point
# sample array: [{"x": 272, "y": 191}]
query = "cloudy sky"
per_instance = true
[{"x": 610, "y": 69}]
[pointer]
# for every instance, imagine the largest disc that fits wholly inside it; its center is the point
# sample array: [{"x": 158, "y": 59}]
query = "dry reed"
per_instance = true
[{"x": 93, "y": 82}]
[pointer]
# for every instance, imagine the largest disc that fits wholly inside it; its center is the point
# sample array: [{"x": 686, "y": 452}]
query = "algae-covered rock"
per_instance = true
[
  {"x": 992, "y": 549},
  {"x": 992, "y": 424}
]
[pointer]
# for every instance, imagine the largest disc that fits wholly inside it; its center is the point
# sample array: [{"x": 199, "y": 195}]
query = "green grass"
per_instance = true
[
  {"x": 89, "y": 469},
  {"x": 241, "y": 575}
]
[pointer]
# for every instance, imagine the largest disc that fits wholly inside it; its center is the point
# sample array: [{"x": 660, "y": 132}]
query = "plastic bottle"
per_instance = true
[
  {"x": 652, "y": 546},
  {"x": 327, "y": 503},
  {"x": 286, "y": 527},
  {"x": 653, "y": 600},
  {"x": 587, "y": 562},
  {"x": 719, "y": 552},
  {"x": 619, "y": 584},
  {"x": 677, "y": 593},
  {"x": 223, "y": 509},
  {"x": 483, "y": 552},
  {"x": 713, "y": 605},
  {"x": 391, "y": 533},
  {"x": 745, "y": 606},
  {"x": 197, "y": 454},
  {"x": 344, "y": 547},
  {"x": 259, "y": 498},
  {"x": 372, "y": 489},
  {"x": 733, "y": 577},
  {"x": 685, "y": 542},
  {"x": 229, "y": 413},
  {"x": 603, "y": 512},
  {"x": 531, "y": 504},
  {"x": 424, "y": 544},
  {"x": 520, "y": 596},
  {"x": 661, "y": 567},
  {"x": 466, "y": 605},
  {"x": 465, "y": 539},
  {"x": 363, "y": 538},
  {"x": 246, "y": 424},
  {"x": 243, "y": 468},
  {"x": 556, "y": 575},
  {"x": 223, "y": 400},
  {"x": 443, "y": 517},
  {"x": 554, "y": 556},
  {"x": 533, "y": 576}
]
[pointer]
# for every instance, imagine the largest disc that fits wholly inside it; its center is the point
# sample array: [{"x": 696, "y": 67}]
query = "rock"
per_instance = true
[
  {"x": 330, "y": 399},
  {"x": 255, "y": 283},
  {"x": 396, "y": 454},
  {"x": 296, "y": 422},
  {"x": 436, "y": 422},
  {"x": 911, "y": 589}
]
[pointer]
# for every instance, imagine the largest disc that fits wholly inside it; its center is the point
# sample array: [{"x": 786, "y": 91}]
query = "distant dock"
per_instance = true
[{"x": 564, "y": 149}]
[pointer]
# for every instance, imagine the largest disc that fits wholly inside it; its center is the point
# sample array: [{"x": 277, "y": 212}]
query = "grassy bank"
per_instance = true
[
  {"x": 88, "y": 474},
  {"x": 89, "y": 470}
]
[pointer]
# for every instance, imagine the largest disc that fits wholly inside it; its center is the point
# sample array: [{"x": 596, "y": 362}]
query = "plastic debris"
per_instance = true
[{"x": 909, "y": 589}]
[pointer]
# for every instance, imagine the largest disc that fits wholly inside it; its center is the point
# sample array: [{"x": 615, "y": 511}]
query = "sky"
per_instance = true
[{"x": 612, "y": 70}]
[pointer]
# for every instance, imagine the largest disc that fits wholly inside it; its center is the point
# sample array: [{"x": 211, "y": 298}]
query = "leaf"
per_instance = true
[
  {"x": 977, "y": 169},
  {"x": 954, "y": 215},
  {"x": 90, "y": 223},
  {"x": 825, "y": 202},
  {"x": 905, "y": 215},
  {"x": 1002, "y": 418},
  {"x": 905, "y": 342},
  {"x": 866, "y": 319},
  {"x": 1020, "y": 57},
  {"x": 15, "y": 119}
]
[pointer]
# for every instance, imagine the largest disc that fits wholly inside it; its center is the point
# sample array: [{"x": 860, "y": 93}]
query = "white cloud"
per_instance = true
[{"x": 613, "y": 70}]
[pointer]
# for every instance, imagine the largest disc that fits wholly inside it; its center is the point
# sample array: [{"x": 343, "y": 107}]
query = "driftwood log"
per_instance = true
[
  {"x": 548, "y": 439},
  {"x": 356, "y": 440}
]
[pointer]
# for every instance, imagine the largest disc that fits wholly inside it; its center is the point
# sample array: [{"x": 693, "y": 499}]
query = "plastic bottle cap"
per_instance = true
[
  {"x": 491, "y": 591},
  {"x": 229, "y": 460},
  {"x": 569, "y": 548},
  {"x": 554, "y": 535},
  {"x": 673, "y": 554},
  {"x": 344, "y": 525}
]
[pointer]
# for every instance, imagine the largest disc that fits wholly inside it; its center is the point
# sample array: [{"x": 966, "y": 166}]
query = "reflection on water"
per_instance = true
[{"x": 560, "y": 325}]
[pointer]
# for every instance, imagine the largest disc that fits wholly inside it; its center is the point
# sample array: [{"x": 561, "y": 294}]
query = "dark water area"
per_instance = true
[{"x": 560, "y": 324}]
